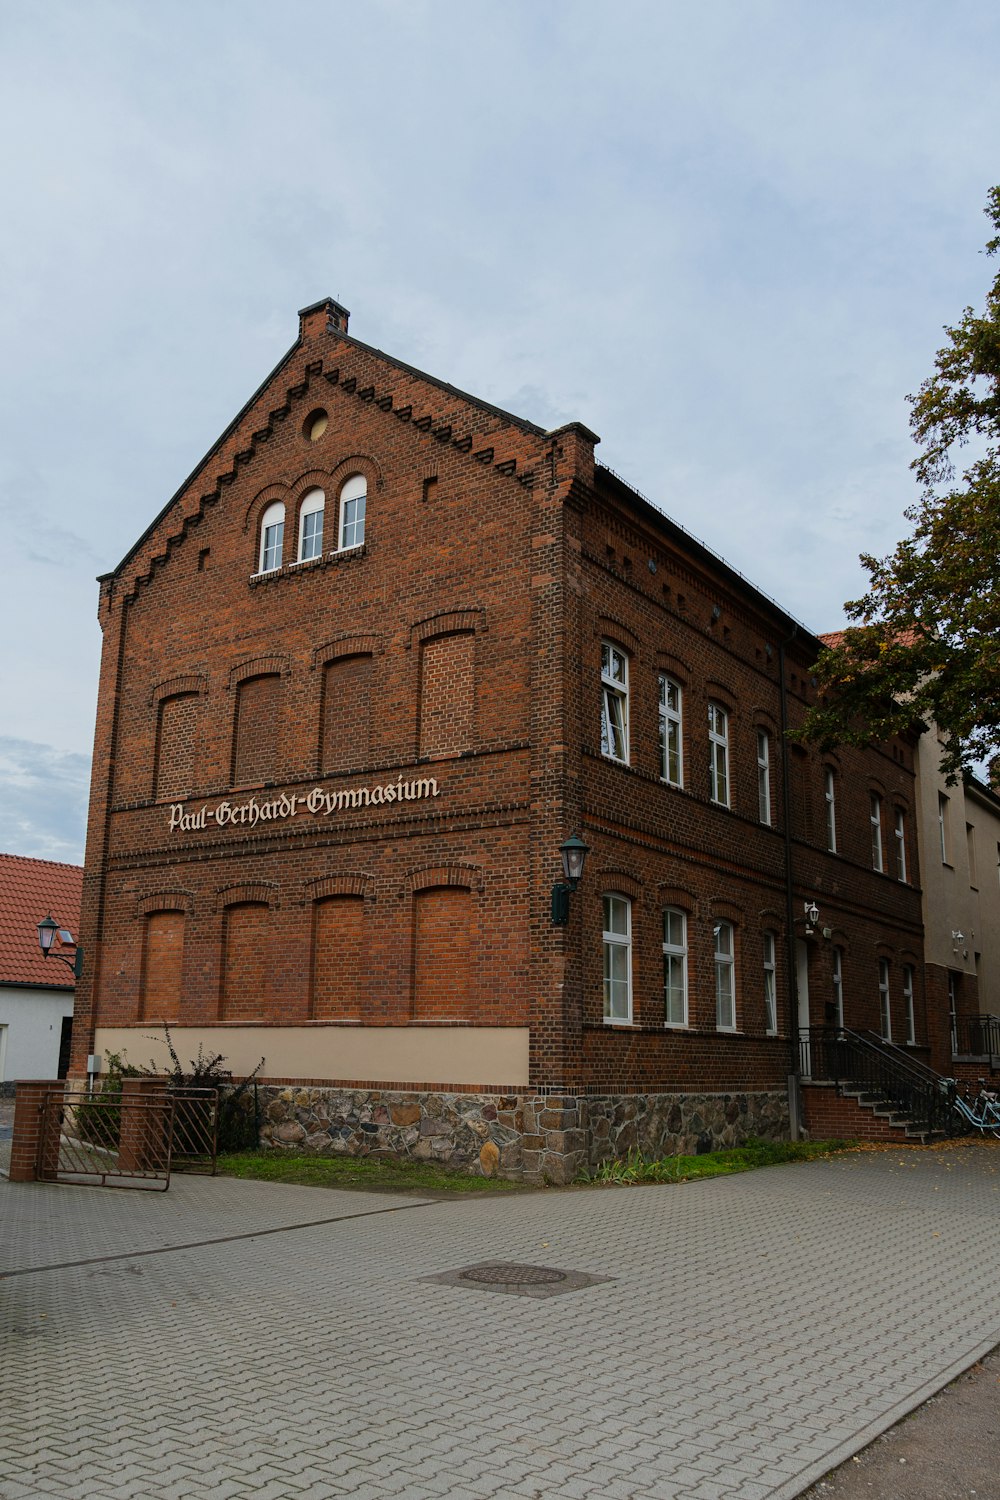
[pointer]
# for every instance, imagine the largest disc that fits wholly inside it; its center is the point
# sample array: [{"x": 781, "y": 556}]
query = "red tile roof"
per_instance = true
[
  {"x": 31, "y": 889},
  {"x": 832, "y": 638}
]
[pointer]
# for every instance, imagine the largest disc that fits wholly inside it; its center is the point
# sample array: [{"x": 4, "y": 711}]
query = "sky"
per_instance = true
[{"x": 724, "y": 234}]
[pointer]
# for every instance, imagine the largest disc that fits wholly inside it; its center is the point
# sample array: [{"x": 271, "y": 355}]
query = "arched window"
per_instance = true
[
  {"x": 311, "y": 525},
  {"x": 675, "y": 976},
  {"x": 718, "y": 749},
  {"x": 272, "y": 537},
  {"x": 671, "y": 738},
  {"x": 353, "y": 498},
  {"x": 764, "y": 776},
  {"x": 770, "y": 984},
  {"x": 725, "y": 977},
  {"x": 617, "y": 941},
  {"x": 614, "y": 702}
]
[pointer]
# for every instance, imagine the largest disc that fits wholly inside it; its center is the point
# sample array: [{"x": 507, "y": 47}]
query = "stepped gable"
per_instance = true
[{"x": 325, "y": 359}]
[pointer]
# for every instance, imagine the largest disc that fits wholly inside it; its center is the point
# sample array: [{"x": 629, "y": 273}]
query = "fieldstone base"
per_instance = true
[{"x": 523, "y": 1137}]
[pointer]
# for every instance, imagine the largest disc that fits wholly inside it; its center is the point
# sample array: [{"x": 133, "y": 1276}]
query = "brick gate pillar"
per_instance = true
[
  {"x": 27, "y": 1137},
  {"x": 142, "y": 1143}
]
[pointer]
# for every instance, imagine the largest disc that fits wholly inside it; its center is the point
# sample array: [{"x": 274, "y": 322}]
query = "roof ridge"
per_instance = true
[{"x": 31, "y": 859}]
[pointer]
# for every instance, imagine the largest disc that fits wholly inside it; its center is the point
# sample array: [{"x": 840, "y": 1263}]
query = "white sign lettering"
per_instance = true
[{"x": 319, "y": 801}]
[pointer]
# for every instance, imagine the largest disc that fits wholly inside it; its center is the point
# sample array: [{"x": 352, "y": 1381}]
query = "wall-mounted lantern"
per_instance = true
[
  {"x": 48, "y": 930},
  {"x": 574, "y": 856}
]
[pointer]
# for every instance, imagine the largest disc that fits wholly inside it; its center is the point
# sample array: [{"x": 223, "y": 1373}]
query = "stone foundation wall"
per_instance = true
[
  {"x": 524, "y": 1137},
  {"x": 682, "y": 1124}
]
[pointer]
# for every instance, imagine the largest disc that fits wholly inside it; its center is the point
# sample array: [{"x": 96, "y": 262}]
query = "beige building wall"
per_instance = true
[
  {"x": 422, "y": 1056},
  {"x": 949, "y": 902},
  {"x": 982, "y": 816}
]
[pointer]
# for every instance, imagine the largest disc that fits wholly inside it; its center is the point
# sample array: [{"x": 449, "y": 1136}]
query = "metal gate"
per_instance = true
[
  {"x": 196, "y": 1129},
  {"x": 106, "y": 1139},
  {"x": 120, "y": 1138}
]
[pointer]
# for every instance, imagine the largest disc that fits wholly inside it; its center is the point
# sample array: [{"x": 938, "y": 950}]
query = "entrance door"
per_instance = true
[{"x": 802, "y": 987}]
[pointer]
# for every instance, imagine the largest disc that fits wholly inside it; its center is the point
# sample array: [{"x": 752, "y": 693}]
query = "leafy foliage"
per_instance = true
[
  {"x": 239, "y": 1120},
  {"x": 924, "y": 645}
]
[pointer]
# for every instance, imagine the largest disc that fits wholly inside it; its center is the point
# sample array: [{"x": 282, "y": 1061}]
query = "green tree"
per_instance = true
[{"x": 926, "y": 642}]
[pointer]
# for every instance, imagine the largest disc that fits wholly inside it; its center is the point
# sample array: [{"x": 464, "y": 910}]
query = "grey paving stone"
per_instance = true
[{"x": 755, "y": 1327}]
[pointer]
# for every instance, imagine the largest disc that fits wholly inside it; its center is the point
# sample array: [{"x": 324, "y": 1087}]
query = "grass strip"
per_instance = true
[
  {"x": 634, "y": 1169},
  {"x": 374, "y": 1174}
]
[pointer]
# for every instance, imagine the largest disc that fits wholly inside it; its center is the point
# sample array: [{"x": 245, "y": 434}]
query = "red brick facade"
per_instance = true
[{"x": 331, "y": 794}]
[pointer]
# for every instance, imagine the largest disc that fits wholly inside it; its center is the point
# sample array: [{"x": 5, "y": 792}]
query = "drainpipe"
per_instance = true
[{"x": 791, "y": 958}]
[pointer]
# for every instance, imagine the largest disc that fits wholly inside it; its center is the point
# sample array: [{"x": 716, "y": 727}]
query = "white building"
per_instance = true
[{"x": 36, "y": 993}]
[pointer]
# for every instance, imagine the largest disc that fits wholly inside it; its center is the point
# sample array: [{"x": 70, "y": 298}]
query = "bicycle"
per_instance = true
[{"x": 983, "y": 1113}]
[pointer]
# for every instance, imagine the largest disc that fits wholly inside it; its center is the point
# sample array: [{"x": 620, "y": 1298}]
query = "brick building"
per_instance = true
[{"x": 378, "y": 657}]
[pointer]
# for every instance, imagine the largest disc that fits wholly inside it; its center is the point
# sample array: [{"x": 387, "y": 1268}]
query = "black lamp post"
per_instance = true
[
  {"x": 48, "y": 927},
  {"x": 574, "y": 856}
]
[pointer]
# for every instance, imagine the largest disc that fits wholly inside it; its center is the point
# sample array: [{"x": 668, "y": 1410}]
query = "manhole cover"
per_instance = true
[
  {"x": 508, "y": 1275},
  {"x": 511, "y": 1279}
]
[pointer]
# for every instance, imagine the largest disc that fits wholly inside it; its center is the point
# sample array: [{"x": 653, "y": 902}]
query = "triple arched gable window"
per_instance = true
[{"x": 352, "y": 505}]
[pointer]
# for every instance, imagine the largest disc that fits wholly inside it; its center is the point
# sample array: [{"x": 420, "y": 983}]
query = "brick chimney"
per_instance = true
[{"x": 322, "y": 317}]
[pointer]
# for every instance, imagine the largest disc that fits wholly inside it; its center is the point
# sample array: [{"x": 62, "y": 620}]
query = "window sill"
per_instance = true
[
  {"x": 676, "y": 1026},
  {"x": 306, "y": 565},
  {"x": 611, "y": 1021}
]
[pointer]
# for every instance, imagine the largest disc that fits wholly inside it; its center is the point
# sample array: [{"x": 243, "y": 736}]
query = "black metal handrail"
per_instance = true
[
  {"x": 905, "y": 1059},
  {"x": 870, "y": 1066},
  {"x": 977, "y": 1036}
]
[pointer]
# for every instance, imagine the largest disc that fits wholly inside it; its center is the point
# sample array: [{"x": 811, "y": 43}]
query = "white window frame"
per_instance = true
[
  {"x": 272, "y": 538},
  {"x": 970, "y": 842},
  {"x": 615, "y": 943},
  {"x": 353, "y": 508},
  {"x": 724, "y": 935},
  {"x": 671, "y": 731},
  {"x": 875, "y": 818},
  {"x": 884, "y": 1000},
  {"x": 900, "y": 834},
  {"x": 830, "y": 793},
  {"x": 911, "y": 1022},
  {"x": 313, "y": 504},
  {"x": 770, "y": 983},
  {"x": 837, "y": 976},
  {"x": 764, "y": 776},
  {"x": 718, "y": 753},
  {"x": 614, "y": 702},
  {"x": 675, "y": 966},
  {"x": 943, "y": 827}
]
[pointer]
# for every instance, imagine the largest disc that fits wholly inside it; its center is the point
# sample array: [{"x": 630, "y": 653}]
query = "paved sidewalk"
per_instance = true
[{"x": 756, "y": 1331}]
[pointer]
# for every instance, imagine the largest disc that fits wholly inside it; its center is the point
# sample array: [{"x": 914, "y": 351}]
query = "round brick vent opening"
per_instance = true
[{"x": 507, "y": 1275}]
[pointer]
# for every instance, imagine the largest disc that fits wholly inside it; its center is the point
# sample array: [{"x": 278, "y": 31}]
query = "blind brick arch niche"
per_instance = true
[
  {"x": 445, "y": 942},
  {"x": 164, "y": 918},
  {"x": 338, "y": 971},
  {"x": 448, "y": 682},
  {"x": 347, "y": 694},
  {"x": 245, "y": 958},
  {"x": 257, "y": 688},
  {"x": 177, "y": 705}
]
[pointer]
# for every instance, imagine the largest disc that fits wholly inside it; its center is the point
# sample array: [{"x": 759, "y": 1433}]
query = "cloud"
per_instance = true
[{"x": 43, "y": 801}]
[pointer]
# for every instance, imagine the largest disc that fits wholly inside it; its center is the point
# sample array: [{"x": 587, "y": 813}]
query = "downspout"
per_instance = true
[{"x": 794, "y": 1076}]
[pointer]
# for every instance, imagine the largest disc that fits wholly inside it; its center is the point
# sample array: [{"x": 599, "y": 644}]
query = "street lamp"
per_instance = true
[
  {"x": 574, "y": 856},
  {"x": 48, "y": 930}
]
